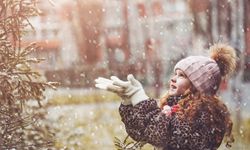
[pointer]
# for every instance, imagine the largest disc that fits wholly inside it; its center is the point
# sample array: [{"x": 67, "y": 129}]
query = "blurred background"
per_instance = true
[{"x": 84, "y": 39}]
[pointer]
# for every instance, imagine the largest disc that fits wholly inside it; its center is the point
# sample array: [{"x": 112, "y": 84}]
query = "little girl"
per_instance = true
[{"x": 190, "y": 116}]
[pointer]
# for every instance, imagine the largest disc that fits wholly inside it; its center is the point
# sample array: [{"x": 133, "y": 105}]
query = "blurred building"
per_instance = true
[
  {"x": 146, "y": 37},
  {"x": 121, "y": 36},
  {"x": 83, "y": 38},
  {"x": 52, "y": 32},
  {"x": 246, "y": 75},
  {"x": 45, "y": 34}
]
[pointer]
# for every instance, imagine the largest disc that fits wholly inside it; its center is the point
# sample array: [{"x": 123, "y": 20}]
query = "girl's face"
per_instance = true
[{"x": 179, "y": 83}]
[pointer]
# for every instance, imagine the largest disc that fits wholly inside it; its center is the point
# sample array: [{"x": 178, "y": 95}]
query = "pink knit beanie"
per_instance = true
[{"x": 206, "y": 73}]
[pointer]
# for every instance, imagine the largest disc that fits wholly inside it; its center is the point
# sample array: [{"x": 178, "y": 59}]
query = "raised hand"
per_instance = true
[
  {"x": 130, "y": 91},
  {"x": 135, "y": 90},
  {"x": 107, "y": 84}
]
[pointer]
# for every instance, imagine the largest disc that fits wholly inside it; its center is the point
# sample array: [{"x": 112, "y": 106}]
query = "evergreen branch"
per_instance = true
[
  {"x": 128, "y": 145},
  {"x": 18, "y": 80}
]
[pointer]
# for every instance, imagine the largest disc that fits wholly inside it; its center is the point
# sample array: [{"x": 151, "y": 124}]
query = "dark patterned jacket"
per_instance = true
[{"x": 147, "y": 122}]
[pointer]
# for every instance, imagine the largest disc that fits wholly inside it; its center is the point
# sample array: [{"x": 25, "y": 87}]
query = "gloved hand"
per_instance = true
[
  {"x": 131, "y": 91},
  {"x": 107, "y": 84}
]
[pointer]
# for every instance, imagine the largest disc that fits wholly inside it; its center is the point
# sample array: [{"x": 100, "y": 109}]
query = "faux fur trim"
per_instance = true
[{"x": 225, "y": 57}]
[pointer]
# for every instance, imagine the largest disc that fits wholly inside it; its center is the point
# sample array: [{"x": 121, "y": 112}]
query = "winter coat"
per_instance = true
[{"x": 147, "y": 122}]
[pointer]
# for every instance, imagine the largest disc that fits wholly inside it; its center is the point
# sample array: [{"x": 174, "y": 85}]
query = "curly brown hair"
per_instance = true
[{"x": 220, "y": 118}]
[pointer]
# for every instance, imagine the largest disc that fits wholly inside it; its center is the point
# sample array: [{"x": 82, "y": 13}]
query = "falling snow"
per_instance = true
[{"x": 82, "y": 40}]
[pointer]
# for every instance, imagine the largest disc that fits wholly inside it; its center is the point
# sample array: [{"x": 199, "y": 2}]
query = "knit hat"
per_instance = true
[{"x": 206, "y": 73}]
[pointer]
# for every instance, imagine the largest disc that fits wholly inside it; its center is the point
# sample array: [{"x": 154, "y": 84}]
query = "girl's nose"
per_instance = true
[{"x": 173, "y": 79}]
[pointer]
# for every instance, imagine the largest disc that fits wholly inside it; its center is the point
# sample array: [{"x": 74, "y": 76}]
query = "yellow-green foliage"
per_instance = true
[
  {"x": 83, "y": 96},
  {"x": 91, "y": 97},
  {"x": 245, "y": 131}
]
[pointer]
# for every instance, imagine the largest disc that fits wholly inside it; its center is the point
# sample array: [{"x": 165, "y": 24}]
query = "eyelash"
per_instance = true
[{"x": 181, "y": 75}]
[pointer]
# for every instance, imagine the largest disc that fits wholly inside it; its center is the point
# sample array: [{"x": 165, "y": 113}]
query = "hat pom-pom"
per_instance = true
[{"x": 225, "y": 57}]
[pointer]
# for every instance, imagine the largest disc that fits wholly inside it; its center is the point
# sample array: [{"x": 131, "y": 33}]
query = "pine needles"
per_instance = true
[
  {"x": 19, "y": 82},
  {"x": 128, "y": 144}
]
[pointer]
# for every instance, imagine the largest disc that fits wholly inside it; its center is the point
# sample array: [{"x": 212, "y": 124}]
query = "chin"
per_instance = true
[{"x": 172, "y": 93}]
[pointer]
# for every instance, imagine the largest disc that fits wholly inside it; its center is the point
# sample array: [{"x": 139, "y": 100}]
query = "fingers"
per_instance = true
[
  {"x": 116, "y": 89},
  {"x": 114, "y": 85},
  {"x": 106, "y": 84},
  {"x": 132, "y": 79},
  {"x": 110, "y": 87},
  {"x": 103, "y": 80},
  {"x": 118, "y": 82},
  {"x": 103, "y": 83},
  {"x": 101, "y": 86}
]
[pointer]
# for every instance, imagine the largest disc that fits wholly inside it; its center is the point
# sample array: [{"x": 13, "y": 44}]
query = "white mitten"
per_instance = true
[
  {"x": 106, "y": 84},
  {"x": 133, "y": 90}
]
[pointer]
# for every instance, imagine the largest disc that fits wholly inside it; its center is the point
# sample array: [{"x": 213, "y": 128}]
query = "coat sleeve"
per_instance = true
[{"x": 146, "y": 122}]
